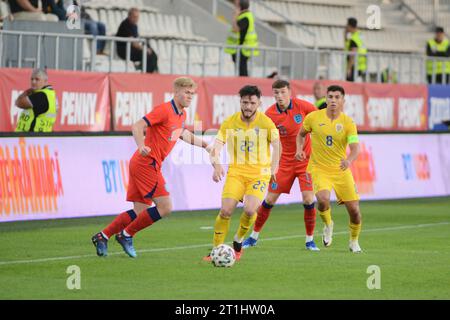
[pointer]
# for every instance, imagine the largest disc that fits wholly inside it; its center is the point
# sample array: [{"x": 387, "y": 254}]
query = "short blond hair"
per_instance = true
[{"x": 184, "y": 82}]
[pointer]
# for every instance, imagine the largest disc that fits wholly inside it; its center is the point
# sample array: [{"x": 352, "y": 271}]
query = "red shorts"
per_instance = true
[
  {"x": 145, "y": 182},
  {"x": 286, "y": 176}
]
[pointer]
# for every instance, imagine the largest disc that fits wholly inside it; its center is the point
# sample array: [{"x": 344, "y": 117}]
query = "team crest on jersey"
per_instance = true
[
  {"x": 339, "y": 127},
  {"x": 257, "y": 130},
  {"x": 298, "y": 118}
]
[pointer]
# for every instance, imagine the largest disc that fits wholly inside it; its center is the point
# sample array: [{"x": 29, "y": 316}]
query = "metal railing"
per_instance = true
[
  {"x": 76, "y": 40},
  {"x": 210, "y": 59}
]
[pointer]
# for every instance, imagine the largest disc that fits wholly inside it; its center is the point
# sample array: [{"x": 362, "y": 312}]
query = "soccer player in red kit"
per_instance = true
[
  {"x": 288, "y": 114},
  {"x": 163, "y": 126}
]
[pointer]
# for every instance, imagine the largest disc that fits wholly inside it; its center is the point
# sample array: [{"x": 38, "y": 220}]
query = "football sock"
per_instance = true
[
  {"x": 119, "y": 223},
  {"x": 245, "y": 224},
  {"x": 220, "y": 230},
  {"x": 263, "y": 214},
  {"x": 309, "y": 238},
  {"x": 309, "y": 217},
  {"x": 255, "y": 234},
  {"x": 144, "y": 219},
  {"x": 326, "y": 216},
  {"x": 355, "y": 230}
]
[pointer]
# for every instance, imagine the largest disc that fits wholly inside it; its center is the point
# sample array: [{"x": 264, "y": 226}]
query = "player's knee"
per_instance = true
[
  {"x": 355, "y": 215},
  {"x": 249, "y": 211},
  {"x": 164, "y": 209},
  {"x": 226, "y": 212},
  {"x": 323, "y": 205},
  {"x": 308, "y": 199}
]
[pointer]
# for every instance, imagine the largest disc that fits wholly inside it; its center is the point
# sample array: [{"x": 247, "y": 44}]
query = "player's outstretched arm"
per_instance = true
[
  {"x": 188, "y": 137},
  {"x": 300, "y": 141},
  {"x": 138, "y": 134},
  {"x": 354, "y": 151}
]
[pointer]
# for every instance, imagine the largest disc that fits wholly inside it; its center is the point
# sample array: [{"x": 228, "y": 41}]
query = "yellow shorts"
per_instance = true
[
  {"x": 342, "y": 183},
  {"x": 237, "y": 186}
]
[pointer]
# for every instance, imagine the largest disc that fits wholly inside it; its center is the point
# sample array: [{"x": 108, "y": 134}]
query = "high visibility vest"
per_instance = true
[
  {"x": 45, "y": 121},
  {"x": 438, "y": 47},
  {"x": 250, "y": 40},
  {"x": 362, "y": 50},
  {"x": 321, "y": 103}
]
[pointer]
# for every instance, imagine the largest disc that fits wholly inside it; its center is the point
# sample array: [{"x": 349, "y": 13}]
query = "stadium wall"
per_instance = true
[
  {"x": 90, "y": 101},
  {"x": 81, "y": 176}
]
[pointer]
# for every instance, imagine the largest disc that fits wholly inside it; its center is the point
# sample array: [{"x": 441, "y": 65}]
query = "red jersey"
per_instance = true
[
  {"x": 289, "y": 123},
  {"x": 165, "y": 125}
]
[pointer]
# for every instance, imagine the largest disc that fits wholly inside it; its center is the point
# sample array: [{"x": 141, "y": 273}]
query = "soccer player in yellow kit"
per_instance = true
[
  {"x": 331, "y": 131},
  {"x": 248, "y": 135}
]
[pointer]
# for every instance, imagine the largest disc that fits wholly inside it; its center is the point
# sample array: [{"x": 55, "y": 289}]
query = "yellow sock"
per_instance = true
[
  {"x": 220, "y": 230},
  {"x": 355, "y": 229},
  {"x": 326, "y": 216},
  {"x": 244, "y": 225}
]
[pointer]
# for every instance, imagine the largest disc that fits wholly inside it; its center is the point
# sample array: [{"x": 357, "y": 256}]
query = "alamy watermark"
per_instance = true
[
  {"x": 374, "y": 280},
  {"x": 73, "y": 281},
  {"x": 373, "y": 21},
  {"x": 73, "y": 13}
]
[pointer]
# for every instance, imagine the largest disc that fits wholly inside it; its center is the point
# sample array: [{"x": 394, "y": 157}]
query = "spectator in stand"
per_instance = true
[
  {"x": 129, "y": 28},
  {"x": 35, "y": 10},
  {"x": 57, "y": 8}
]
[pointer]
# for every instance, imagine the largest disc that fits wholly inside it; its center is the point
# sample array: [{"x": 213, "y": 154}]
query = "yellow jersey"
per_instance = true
[
  {"x": 329, "y": 139},
  {"x": 248, "y": 144}
]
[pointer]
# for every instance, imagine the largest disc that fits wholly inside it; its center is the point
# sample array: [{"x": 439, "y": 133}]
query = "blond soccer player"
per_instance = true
[
  {"x": 248, "y": 134},
  {"x": 331, "y": 131}
]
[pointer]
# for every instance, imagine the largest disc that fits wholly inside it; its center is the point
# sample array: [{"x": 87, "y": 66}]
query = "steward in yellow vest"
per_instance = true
[
  {"x": 320, "y": 94},
  {"x": 39, "y": 105},
  {"x": 439, "y": 47},
  {"x": 354, "y": 43},
  {"x": 243, "y": 33}
]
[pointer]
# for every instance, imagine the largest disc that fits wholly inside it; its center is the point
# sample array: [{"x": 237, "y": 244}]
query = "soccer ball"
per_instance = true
[{"x": 223, "y": 256}]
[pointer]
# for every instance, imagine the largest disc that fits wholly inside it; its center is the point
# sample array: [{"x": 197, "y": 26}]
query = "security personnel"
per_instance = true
[
  {"x": 320, "y": 94},
  {"x": 438, "y": 47},
  {"x": 355, "y": 44},
  {"x": 39, "y": 105},
  {"x": 243, "y": 33}
]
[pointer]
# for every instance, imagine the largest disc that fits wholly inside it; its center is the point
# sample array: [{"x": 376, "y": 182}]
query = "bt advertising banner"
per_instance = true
[
  {"x": 63, "y": 177},
  {"x": 439, "y": 107},
  {"x": 83, "y": 99}
]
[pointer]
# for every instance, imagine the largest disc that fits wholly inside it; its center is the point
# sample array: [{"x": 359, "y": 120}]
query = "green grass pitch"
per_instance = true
[{"x": 407, "y": 239}]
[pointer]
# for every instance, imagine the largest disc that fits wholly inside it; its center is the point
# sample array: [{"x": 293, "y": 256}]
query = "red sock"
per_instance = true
[
  {"x": 145, "y": 219},
  {"x": 119, "y": 223},
  {"x": 310, "y": 218},
  {"x": 263, "y": 214}
]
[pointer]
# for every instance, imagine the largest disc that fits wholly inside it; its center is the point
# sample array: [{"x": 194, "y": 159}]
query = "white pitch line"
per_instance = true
[{"x": 413, "y": 226}]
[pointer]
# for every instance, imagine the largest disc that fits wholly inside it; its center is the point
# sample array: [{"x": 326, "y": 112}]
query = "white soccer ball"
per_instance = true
[{"x": 223, "y": 256}]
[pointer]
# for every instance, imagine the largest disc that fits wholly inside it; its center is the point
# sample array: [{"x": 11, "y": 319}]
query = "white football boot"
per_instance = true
[
  {"x": 327, "y": 236},
  {"x": 354, "y": 246}
]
